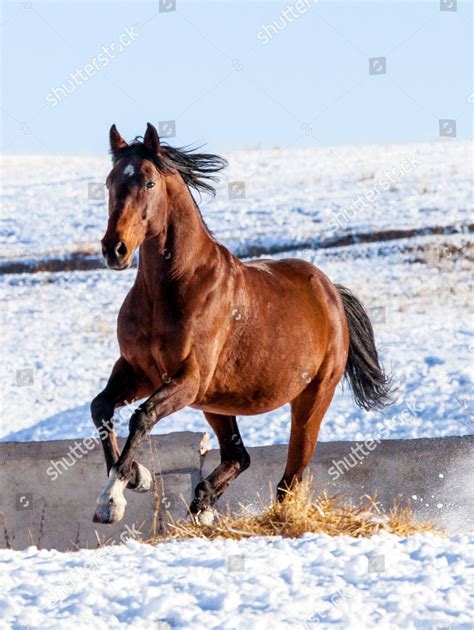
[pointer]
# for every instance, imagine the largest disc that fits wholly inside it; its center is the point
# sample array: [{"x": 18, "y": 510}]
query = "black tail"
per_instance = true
[{"x": 371, "y": 386}]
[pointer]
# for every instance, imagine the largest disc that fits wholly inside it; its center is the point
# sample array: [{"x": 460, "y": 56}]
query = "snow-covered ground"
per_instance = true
[
  {"x": 383, "y": 582},
  {"x": 58, "y": 345},
  {"x": 291, "y": 195}
]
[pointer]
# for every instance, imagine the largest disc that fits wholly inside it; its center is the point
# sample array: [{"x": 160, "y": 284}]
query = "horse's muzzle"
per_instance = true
[{"x": 116, "y": 255}]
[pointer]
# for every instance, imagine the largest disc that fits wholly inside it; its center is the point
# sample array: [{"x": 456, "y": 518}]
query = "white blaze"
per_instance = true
[{"x": 129, "y": 170}]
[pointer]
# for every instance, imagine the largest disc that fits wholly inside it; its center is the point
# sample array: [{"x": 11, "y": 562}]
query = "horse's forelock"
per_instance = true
[{"x": 197, "y": 169}]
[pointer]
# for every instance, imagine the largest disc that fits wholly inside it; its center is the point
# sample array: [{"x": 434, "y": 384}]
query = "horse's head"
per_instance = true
[{"x": 137, "y": 197}]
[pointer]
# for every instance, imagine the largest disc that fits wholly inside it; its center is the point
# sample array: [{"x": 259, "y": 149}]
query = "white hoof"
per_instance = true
[
  {"x": 144, "y": 479},
  {"x": 108, "y": 513},
  {"x": 111, "y": 502},
  {"x": 206, "y": 517}
]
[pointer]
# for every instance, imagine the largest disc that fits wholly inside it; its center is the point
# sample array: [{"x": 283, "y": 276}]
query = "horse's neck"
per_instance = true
[{"x": 182, "y": 246}]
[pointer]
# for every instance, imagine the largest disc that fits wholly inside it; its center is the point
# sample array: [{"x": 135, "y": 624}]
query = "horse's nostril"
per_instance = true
[{"x": 121, "y": 249}]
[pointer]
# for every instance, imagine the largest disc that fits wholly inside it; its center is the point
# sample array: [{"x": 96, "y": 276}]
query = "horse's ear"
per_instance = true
[
  {"x": 116, "y": 140},
  {"x": 151, "y": 139}
]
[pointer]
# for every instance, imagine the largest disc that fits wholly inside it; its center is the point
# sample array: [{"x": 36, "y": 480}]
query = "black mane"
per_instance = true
[{"x": 196, "y": 169}]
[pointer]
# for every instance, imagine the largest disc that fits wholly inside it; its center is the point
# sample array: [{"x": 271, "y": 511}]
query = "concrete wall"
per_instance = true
[
  {"x": 57, "y": 513},
  {"x": 50, "y": 504},
  {"x": 438, "y": 471}
]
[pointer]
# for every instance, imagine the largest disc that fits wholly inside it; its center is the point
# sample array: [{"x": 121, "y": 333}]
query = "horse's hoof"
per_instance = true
[
  {"x": 206, "y": 517},
  {"x": 109, "y": 512},
  {"x": 111, "y": 502},
  {"x": 143, "y": 479}
]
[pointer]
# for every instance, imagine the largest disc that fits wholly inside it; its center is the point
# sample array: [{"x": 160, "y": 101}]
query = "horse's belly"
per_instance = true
[
  {"x": 247, "y": 395},
  {"x": 228, "y": 405}
]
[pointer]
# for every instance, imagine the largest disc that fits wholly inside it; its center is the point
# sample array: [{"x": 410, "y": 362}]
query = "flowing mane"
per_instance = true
[{"x": 197, "y": 169}]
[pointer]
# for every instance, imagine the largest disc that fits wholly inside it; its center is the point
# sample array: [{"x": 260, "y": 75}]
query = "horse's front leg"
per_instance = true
[
  {"x": 172, "y": 396},
  {"x": 123, "y": 386}
]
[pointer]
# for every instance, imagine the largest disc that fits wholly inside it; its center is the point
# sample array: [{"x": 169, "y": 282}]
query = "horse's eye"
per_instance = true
[{"x": 149, "y": 185}]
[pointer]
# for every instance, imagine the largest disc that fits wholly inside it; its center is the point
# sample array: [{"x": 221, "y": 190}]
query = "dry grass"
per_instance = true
[{"x": 300, "y": 513}]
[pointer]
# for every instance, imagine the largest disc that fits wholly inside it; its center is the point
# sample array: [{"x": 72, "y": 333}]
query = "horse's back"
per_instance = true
[{"x": 308, "y": 280}]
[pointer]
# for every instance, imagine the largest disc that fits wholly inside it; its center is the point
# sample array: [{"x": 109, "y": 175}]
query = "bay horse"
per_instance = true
[{"x": 201, "y": 328}]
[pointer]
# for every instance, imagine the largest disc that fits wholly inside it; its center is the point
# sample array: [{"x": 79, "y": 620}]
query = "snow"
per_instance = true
[
  {"x": 58, "y": 341},
  {"x": 383, "y": 582}
]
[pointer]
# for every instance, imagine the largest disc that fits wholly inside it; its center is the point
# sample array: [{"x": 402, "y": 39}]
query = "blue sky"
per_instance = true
[{"x": 207, "y": 67}]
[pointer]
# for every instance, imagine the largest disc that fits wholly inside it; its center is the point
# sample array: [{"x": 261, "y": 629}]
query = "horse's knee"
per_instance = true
[
  {"x": 142, "y": 419},
  {"x": 101, "y": 410}
]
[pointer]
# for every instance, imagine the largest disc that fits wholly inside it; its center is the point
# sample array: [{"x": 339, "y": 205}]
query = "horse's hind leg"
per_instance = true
[
  {"x": 307, "y": 412},
  {"x": 234, "y": 460}
]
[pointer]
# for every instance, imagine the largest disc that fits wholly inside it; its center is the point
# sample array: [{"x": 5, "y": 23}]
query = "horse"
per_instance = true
[{"x": 204, "y": 329}]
